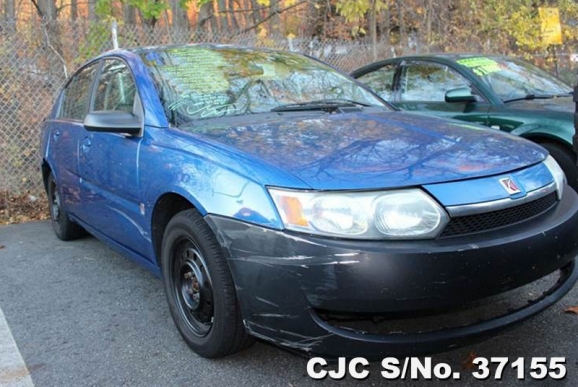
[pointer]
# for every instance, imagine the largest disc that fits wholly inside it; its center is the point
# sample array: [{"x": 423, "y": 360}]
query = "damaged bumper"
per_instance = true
[{"x": 301, "y": 291}]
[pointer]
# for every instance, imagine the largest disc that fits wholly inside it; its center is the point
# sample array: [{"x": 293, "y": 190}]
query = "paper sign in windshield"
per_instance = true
[
  {"x": 481, "y": 66},
  {"x": 201, "y": 71}
]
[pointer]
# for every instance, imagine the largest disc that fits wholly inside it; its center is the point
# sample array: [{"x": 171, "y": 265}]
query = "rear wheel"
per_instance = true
[
  {"x": 567, "y": 161},
  {"x": 200, "y": 289},
  {"x": 64, "y": 228}
]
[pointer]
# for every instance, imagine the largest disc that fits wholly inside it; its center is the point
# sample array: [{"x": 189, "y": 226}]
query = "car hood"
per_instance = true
[
  {"x": 368, "y": 151},
  {"x": 561, "y": 104}
]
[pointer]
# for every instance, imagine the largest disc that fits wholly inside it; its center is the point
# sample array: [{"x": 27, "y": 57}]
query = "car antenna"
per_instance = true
[{"x": 114, "y": 32}]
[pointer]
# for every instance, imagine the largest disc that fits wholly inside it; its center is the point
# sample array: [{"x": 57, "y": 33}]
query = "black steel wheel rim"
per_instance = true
[
  {"x": 192, "y": 286},
  {"x": 55, "y": 205}
]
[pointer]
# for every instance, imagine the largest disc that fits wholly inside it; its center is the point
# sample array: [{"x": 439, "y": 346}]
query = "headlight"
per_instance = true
[
  {"x": 400, "y": 214},
  {"x": 557, "y": 173},
  {"x": 408, "y": 214}
]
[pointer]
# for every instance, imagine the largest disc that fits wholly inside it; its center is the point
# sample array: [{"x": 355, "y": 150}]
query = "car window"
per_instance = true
[
  {"x": 513, "y": 79},
  {"x": 381, "y": 81},
  {"x": 116, "y": 89},
  {"x": 428, "y": 82},
  {"x": 76, "y": 95}
]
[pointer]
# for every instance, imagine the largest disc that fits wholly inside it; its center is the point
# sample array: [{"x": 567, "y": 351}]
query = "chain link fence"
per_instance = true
[{"x": 36, "y": 59}]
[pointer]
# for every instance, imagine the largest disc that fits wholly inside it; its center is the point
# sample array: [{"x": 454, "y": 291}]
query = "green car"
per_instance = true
[{"x": 496, "y": 91}]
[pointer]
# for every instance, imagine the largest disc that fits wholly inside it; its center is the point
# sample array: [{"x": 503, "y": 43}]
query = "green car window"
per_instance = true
[
  {"x": 381, "y": 81},
  {"x": 422, "y": 81},
  {"x": 513, "y": 79}
]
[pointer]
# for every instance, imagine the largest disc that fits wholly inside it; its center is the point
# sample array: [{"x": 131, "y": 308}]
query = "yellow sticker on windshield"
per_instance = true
[
  {"x": 197, "y": 70},
  {"x": 481, "y": 66}
]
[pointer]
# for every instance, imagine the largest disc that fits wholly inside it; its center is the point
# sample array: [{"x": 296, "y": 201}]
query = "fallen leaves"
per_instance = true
[
  {"x": 571, "y": 310},
  {"x": 468, "y": 363},
  {"x": 22, "y": 208}
]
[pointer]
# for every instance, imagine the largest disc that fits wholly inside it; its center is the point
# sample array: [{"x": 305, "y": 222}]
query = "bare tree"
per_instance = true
[
  {"x": 318, "y": 9},
  {"x": 128, "y": 13},
  {"x": 256, "y": 13},
  {"x": 222, "y": 18},
  {"x": 9, "y": 10},
  {"x": 206, "y": 18},
  {"x": 274, "y": 19},
  {"x": 92, "y": 10},
  {"x": 372, "y": 16},
  {"x": 179, "y": 16},
  {"x": 46, "y": 9},
  {"x": 231, "y": 8},
  {"x": 73, "y": 10}
]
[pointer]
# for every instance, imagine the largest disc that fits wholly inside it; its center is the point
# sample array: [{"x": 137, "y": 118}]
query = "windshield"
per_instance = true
[
  {"x": 201, "y": 82},
  {"x": 513, "y": 79}
]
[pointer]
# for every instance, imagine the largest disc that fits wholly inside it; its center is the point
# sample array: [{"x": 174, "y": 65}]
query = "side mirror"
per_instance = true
[
  {"x": 461, "y": 94},
  {"x": 112, "y": 121}
]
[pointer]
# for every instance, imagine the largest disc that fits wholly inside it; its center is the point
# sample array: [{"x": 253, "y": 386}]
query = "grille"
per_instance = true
[{"x": 495, "y": 219}]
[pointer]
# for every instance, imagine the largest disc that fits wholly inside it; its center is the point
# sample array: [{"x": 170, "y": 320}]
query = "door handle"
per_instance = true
[
  {"x": 56, "y": 135},
  {"x": 86, "y": 143}
]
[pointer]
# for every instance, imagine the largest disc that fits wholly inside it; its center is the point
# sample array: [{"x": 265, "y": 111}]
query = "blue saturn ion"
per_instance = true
[{"x": 280, "y": 199}]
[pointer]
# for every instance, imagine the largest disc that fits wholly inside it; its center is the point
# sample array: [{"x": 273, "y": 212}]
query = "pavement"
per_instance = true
[{"x": 79, "y": 314}]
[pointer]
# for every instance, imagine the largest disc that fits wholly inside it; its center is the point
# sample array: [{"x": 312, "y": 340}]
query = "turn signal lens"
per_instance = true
[{"x": 292, "y": 210}]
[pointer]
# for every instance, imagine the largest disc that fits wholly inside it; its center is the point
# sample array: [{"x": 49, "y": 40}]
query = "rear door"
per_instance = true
[{"x": 66, "y": 131}]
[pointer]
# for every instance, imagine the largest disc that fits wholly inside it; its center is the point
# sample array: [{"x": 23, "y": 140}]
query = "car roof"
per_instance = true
[
  {"x": 449, "y": 56},
  {"x": 157, "y": 48},
  {"x": 446, "y": 58}
]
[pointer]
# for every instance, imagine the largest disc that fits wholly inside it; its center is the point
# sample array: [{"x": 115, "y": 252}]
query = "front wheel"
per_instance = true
[{"x": 199, "y": 288}]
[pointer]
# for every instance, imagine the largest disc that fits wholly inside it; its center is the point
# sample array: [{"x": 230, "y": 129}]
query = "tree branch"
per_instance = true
[
  {"x": 38, "y": 9},
  {"x": 55, "y": 51},
  {"x": 63, "y": 6},
  {"x": 271, "y": 15},
  {"x": 245, "y": 9}
]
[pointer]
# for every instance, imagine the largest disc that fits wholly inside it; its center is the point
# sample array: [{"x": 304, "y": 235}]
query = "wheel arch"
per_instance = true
[
  {"x": 165, "y": 208},
  {"x": 46, "y": 171},
  {"x": 544, "y": 137}
]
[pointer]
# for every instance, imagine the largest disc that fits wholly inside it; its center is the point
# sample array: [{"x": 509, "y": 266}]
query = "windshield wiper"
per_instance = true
[
  {"x": 328, "y": 105},
  {"x": 530, "y": 97},
  {"x": 569, "y": 94}
]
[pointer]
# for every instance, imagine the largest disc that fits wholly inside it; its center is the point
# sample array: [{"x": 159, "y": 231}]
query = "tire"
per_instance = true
[
  {"x": 64, "y": 228},
  {"x": 567, "y": 161},
  {"x": 200, "y": 289}
]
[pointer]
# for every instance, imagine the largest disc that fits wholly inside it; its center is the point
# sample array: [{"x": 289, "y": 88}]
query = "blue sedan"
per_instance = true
[{"x": 280, "y": 199}]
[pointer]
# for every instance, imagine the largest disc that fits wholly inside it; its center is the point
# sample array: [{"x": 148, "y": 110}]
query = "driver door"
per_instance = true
[
  {"x": 109, "y": 162},
  {"x": 423, "y": 86}
]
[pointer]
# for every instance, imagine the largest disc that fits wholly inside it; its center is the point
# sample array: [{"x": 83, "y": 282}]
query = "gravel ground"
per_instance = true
[{"x": 82, "y": 315}]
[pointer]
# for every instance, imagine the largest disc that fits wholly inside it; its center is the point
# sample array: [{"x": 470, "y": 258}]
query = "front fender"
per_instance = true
[
  {"x": 209, "y": 186},
  {"x": 552, "y": 131}
]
